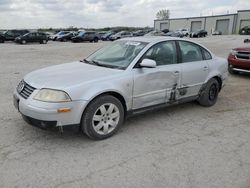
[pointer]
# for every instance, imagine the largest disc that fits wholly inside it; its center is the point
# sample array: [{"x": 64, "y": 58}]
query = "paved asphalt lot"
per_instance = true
[{"x": 185, "y": 146}]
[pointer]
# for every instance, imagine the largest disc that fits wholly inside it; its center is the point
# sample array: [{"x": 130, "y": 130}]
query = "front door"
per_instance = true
[{"x": 154, "y": 86}]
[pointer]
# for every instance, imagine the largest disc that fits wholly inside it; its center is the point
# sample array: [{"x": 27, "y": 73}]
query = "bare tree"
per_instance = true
[{"x": 163, "y": 14}]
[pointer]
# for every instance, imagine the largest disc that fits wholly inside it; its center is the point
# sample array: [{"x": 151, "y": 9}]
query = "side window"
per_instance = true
[
  {"x": 10, "y": 33},
  {"x": 32, "y": 34},
  {"x": 190, "y": 52},
  {"x": 163, "y": 53},
  {"x": 206, "y": 54}
]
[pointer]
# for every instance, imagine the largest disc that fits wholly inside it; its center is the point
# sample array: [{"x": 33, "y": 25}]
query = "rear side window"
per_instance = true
[
  {"x": 190, "y": 52},
  {"x": 206, "y": 54}
]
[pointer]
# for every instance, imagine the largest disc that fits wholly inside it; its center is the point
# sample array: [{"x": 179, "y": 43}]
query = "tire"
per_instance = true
[
  {"x": 23, "y": 42},
  {"x": 103, "y": 108},
  {"x": 231, "y": 71},
  {"x": 95, "y": 39},
  {"x": 209, "y": 95}
]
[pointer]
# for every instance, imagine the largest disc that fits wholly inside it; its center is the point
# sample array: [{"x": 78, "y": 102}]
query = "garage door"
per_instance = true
[
  {"x": 244, "y": 23},
  {"x": 195, "y": 25},
  {"x": 163, "y": 26},
  {"x": 222, "y": 26}
]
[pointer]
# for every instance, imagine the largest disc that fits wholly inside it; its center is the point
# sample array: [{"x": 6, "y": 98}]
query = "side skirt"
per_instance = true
[{"x": 160, "y": 106}]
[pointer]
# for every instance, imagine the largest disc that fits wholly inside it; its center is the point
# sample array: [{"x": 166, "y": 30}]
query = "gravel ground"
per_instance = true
[{"x": 178, "y": 147}]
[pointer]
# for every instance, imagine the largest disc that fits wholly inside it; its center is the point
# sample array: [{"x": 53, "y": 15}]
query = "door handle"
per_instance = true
[
  {"x": 205, "y": 68},
  {"x": 176, "y": 73}
]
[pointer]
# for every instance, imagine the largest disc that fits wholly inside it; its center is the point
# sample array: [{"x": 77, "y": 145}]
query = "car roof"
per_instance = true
[{"x": 156, "y": 39}]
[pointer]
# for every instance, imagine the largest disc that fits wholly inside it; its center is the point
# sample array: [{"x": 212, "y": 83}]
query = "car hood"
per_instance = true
[
  {"x": 68, "y": 75},
  {"x": 245, "y": 49}
]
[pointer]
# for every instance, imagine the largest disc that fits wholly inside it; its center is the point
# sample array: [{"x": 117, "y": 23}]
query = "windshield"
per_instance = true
[
  {"x": 26, "y": 34},
  {"x": 81, "y": 33},
  {"x": 117, "y": 55}
]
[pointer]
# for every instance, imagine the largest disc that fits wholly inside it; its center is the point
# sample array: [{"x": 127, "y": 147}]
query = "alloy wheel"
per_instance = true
[{"x": 106, "y": 118}]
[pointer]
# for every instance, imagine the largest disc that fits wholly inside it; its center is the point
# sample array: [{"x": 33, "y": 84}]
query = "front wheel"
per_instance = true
[
  {"x": 23, "y": 42},
  {"x": 103, "y": 117},
  {"x": 209, "y": 95}
]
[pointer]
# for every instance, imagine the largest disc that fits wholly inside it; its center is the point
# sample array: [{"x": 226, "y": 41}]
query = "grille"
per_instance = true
[
  {"x": 243, "y": 55},
  {"x": 24, "y": 89}
]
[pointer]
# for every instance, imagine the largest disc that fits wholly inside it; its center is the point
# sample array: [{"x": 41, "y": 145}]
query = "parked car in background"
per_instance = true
[
  {"x": 155, "y": 33},
  {"x": 10, "y": 35},
  {"x": 101, "y": 33},
  {"x": 90, "y": 36},
  {"x": 216, "y": 33},
  {"x": 107, "y": 35},
  {"x": 123, "y": 78},
  {"x": 184, "y": 32},
  {"x": 32, "y": 37},
  {"x": 174, "y": 34},
  {"x": 58, "y": 34},
  {"x": 120, "y": 35},
  {"x": 197, "y": 34},
  {"x": 239, "y": 60},
  {"x": 165, "y": 30},
  {"x": 49, "y": 34},
  {"x": 245, "y": 30},
  {"x": 139, "y": 33},
  {"x": 66, "y": 37}
]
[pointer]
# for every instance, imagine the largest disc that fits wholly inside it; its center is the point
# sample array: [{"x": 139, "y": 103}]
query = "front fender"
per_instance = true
[{"x": 88, "y": 91}]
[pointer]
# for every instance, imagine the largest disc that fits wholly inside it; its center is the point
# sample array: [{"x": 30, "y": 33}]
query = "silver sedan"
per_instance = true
[{"x": 128, "y": 76}]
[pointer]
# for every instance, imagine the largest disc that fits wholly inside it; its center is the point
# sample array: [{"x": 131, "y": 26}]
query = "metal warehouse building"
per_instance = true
[{"x": 227, "y": 24}]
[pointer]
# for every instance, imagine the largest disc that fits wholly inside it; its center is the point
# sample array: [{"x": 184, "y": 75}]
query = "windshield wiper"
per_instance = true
[
  {"x": 94, "y": 62},
  {"x": 90, "y": 62}
]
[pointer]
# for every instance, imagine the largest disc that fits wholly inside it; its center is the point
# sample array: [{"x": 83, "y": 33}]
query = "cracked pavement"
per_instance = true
[{"x": 185, "y": 146}]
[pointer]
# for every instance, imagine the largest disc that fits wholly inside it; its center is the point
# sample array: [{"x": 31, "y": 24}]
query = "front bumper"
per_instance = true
[
  {"x": 239, "y": 64},
  {"x": 44, "y": 114}
]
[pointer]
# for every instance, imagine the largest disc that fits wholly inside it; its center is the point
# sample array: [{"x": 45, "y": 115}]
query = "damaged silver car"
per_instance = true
[{"x": 126, "y": 77}]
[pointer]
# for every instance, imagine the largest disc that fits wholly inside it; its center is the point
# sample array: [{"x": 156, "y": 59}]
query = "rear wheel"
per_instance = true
[
  {"x": 103, "y": 117},
  {"x": 209, "y": 95}
]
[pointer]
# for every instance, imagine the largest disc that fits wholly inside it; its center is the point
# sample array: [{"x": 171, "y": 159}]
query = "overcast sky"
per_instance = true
[{"x": 103, "y": 13}]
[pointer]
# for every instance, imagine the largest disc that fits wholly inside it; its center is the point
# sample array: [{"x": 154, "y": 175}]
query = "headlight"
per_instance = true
[
  {"x": 50, "y": 95},
  {"x": 233, "y": 52}
]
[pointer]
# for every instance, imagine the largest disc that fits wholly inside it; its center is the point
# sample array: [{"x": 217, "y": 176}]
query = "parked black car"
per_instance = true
[
  {"x": 200, "y": 33},
  {"x": 10, "y": 35},
  {"x": 90, "y": 36},
  {"x": 165, "y": 30},
  {"x": 42, "y": 38},
  {"x": 65, "y": 37},
  {"x": 245, "y": 30}
]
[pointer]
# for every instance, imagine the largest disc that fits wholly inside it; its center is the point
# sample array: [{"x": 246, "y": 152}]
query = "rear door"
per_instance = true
[
  {"x": 157, "y": 85},
  {"x": 194, "y": 69}
]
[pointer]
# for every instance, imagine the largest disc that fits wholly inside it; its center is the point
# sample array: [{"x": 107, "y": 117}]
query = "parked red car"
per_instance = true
[{"x": 239, "y": 60}]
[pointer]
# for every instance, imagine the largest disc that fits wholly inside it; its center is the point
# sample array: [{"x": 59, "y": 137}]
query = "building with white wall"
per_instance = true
[{"x": 227, "y": 24}]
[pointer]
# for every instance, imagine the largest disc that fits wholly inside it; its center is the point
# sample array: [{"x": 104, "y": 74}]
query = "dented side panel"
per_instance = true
[{"x": 154, "y": 86}]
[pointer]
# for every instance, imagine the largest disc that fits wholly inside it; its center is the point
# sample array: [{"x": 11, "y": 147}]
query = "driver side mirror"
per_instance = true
[{"x": 148, "y": 63}]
